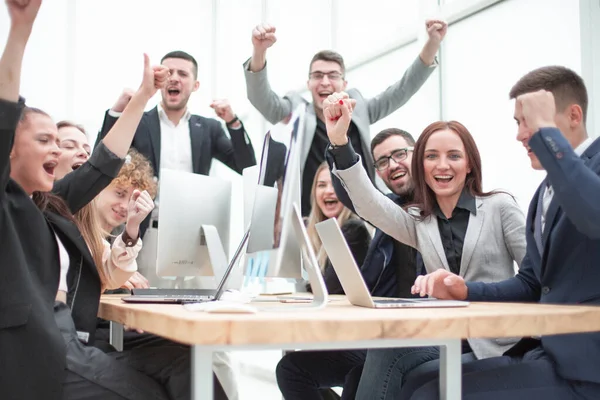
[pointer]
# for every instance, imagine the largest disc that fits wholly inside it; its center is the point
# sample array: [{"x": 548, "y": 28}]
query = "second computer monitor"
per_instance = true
[
  {"x": 272, "y": 243},
  {"x": 194, "y": 224}
]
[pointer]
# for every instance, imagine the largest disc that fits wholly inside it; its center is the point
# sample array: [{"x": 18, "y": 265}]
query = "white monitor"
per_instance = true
[
  {"x": 193, "y": 226},
  {"x": 273, "y": 250}
]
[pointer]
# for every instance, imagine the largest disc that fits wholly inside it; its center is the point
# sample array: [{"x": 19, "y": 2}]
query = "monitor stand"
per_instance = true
[
  {"x": 209, "y": 238},
  {"x": 311, "y": 266}
]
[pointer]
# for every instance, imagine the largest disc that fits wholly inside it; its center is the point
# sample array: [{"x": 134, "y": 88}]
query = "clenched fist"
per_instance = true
[
  {"x": 223, "y": 110},
  {"x": 263, "y": 37}
]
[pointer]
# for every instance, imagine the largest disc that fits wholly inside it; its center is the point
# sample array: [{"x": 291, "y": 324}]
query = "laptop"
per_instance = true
[{"x": 352, "y": 281}]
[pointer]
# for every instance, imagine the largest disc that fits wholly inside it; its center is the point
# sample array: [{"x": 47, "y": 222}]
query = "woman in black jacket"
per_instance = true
[{"x": 42, "y": 355}]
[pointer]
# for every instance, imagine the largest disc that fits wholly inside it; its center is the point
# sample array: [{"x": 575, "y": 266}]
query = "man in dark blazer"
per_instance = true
[
  {"x": 561, "y": 262},
  {"x": 171, "y": 137}
]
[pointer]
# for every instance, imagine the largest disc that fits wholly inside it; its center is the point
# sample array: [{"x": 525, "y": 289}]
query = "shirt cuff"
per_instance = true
[
  {"x": 114, "y": 114},
  {"x": 343, "y": 156}
]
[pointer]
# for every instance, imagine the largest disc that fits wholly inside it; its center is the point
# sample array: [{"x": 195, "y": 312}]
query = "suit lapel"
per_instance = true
[
  {"x": 67, "y": 230},
  {"x": 196, "y": 139},
  {"x": 471, "y": 237},
  {"x": 433, "y": 232},
  {"x": 154, "y": 130}
]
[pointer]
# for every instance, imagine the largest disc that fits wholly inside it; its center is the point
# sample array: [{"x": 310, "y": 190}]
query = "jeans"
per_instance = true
[
  {"x": 301, "y": 374},
  {"x": 386, "y": 370}
]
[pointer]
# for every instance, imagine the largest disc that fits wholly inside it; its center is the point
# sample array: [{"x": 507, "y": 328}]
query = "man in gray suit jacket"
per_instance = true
[{"x": 327, "y": 76}]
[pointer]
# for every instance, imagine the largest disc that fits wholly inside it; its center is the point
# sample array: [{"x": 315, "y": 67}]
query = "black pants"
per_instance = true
[
  {"x": 144, "y": 373},
  {"x": 303, "y": 374}
]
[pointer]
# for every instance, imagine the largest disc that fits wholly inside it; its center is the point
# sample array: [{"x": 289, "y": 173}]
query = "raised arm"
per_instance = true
[
  {"x": 111, "y": 116},
  {"x": 258, "y": 89},
  {"x": 237, "y": 153},
  {"x": 414, "y": 77},
  {"x": 369, "y": 203},
  {"x": 576, "y": 185},
  {"x": 22, "y": 15},
  {"x": 80, "y": 186}
]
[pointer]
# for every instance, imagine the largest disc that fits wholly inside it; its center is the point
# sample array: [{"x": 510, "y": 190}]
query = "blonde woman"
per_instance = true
[{"x": 324, "y": 205}]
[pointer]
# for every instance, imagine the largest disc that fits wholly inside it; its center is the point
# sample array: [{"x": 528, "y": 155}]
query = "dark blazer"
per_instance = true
[
  {"x": 32, "y": 350},
  {"x": 566, "y": 271},
  {"x": 207, "y": 137}
]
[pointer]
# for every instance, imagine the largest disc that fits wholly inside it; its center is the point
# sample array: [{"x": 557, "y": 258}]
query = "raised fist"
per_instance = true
[{"x": 263, "y": 37}]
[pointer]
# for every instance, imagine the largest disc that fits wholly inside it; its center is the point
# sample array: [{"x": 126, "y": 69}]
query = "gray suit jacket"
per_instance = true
[
  {"x": 366, "y": 111},
  {"x": 495, "y": 238}
]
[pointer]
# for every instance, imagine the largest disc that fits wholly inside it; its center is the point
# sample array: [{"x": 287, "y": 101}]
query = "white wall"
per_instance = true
[
  {"x": 483, "y": 58},
  {"x": 83, "y": 53}
]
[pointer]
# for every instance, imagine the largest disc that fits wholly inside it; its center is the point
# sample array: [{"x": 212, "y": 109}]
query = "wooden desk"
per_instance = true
[{"x": 343, "y": 326}]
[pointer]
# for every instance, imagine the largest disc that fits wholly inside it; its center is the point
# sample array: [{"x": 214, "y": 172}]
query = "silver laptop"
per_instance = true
[{"x": 352, "y": 281}]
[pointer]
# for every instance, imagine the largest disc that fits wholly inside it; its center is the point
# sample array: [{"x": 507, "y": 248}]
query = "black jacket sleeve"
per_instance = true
[{"x": 81, "y": 186}]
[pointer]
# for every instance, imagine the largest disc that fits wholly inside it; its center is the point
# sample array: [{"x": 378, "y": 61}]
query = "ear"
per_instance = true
[
  {"x": 575, "y": 115},
  {"x": 196, "y": 86}
]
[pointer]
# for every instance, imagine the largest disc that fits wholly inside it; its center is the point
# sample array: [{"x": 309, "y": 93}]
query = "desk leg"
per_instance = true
[
  {"x": 202, "y": 374},
  {"x": 116, "y": 335},
  {"x": 451, "y": 371}
]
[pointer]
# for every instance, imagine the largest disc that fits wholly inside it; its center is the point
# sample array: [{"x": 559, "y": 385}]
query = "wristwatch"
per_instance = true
[
  {"x": 129, "y": 242},
  {"x": 233, "y": 121}
]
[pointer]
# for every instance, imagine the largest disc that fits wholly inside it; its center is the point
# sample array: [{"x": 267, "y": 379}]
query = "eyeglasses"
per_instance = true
[
  {"x": 397, "y": 155},
  {"x": 318, "y": 76}
]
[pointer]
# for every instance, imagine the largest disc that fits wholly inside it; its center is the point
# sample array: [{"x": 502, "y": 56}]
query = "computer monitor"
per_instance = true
[
  {"x": 277, "y": 245},
  {"x": 193, "y": 226}
]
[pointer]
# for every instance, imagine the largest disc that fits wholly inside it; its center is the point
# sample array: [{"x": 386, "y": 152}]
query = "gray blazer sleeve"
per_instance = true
[
  {"x": 265, "y": 100},
  {"x": 375, "y": 207},
  {"x": 513, "y": 226},
  {"x": 400, "y": 92}
]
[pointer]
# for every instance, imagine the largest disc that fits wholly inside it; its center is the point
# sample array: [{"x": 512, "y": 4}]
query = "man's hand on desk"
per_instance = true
[{"x": 442, "y": 285}]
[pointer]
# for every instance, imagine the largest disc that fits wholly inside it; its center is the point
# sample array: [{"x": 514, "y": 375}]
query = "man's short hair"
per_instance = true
[
  {"x": 328, "y": 55},
  {"x": 566, "y": 86},
  {"x": 184, "y": 56},
  {"x": 386, "y": 133}
]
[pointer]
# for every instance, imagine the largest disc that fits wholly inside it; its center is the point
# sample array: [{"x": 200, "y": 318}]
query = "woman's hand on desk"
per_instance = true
[
  {"x": 441, "y": 284},
  {"x": 136, "y": 281}
]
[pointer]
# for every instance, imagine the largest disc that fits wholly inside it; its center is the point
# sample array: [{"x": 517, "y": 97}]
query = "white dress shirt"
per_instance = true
[
  {"x": 175, "y": 142},
  {"x": 548, "y": 193}
]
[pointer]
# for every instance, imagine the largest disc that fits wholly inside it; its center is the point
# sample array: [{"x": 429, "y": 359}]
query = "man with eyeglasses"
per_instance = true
[
  {"x": 326, "y": 76},
  {"x": 389, "y": 270}
]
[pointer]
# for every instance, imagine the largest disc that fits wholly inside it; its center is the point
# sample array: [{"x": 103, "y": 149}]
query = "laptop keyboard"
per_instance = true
[{"x": 185, "y": 294}]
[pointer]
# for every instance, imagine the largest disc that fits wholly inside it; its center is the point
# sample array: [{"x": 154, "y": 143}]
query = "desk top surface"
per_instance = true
[{"x": 340, "y": 321}]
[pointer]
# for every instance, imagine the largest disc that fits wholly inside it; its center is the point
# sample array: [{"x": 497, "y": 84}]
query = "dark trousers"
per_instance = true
[
  {"x": 303, "y": 374},
  {"x": 531, "y": 376},
  {"x": 144, "y": 373}
]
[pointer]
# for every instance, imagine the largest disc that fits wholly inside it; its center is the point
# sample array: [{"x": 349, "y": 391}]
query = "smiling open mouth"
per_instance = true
[
  {"x": 76, "y": 165},
  {"x": 443, "y": 178},
  {"x": 398, "y": 175},
  {"x": 331, "y": 202}
]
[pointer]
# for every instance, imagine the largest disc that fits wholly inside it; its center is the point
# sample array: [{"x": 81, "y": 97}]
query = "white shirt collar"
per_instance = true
[
  {"x": 163, "y": 115},
  {"x": 583, "y": 146}
]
